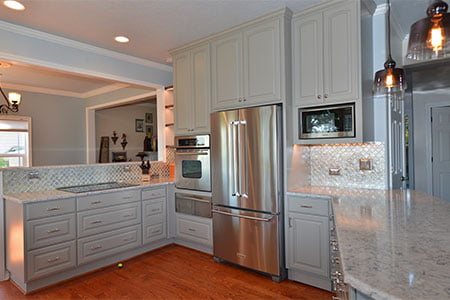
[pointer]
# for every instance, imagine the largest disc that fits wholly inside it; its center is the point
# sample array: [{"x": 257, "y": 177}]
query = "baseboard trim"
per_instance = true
[{"x": 320, "y": 282}]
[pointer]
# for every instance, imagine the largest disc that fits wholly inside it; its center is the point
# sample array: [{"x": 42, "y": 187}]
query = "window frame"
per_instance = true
[{"x": 27, "y": 159}]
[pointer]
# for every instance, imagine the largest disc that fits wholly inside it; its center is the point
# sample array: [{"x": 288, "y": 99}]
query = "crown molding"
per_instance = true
[
  {"x": 18, "y": 29},
  {"x": 381, "y": 9}
]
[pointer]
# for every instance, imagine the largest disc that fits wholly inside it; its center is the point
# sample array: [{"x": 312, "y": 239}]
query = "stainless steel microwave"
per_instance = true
[{"x": 325, "y": 122}]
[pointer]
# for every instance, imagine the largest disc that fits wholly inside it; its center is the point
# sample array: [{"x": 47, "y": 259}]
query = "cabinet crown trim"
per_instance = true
[{"x": 282, "y": 12}]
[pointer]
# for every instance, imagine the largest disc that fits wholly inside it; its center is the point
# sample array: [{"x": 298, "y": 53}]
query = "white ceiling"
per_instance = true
[
  {"x": 153, "y": 26},
  {"x": 48, "y": 81}
]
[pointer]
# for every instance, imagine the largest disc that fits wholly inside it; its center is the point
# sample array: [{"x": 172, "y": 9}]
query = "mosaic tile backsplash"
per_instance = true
[
  {"x": 17, "y": 180},
  {"x": 319, "y": 159}
]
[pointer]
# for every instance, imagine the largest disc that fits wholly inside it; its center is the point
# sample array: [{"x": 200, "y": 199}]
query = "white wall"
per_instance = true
[
  {"x": 122, "y": 120},
  {"x": 58, "y": 128}
]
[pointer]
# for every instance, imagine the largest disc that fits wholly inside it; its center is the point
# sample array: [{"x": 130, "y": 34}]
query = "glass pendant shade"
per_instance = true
[
  {"x": 429, "y": 38},
  {"x": 390, "y": 79},
  {"x": 14, "y": 98}
]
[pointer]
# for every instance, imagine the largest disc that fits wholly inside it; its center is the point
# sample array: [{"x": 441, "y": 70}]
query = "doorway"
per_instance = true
[{"x": 440, "y": 156}]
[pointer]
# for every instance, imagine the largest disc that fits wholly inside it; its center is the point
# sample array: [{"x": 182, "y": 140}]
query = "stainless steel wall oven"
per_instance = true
[{"x": 193, "y": 163}]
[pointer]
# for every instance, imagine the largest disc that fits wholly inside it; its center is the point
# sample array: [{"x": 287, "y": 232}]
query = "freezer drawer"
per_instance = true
[{"x": 248, "y": 239}]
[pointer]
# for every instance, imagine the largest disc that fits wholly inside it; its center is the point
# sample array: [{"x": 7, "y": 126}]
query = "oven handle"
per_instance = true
[
  {"x": 192, "y": 198},
  {"x": 192, "y": 153},
  {"x": 242, "y": 216}
]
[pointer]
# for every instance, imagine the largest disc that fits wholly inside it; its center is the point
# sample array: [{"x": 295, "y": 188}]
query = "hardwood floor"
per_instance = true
[{"x": 172, "y": 272}]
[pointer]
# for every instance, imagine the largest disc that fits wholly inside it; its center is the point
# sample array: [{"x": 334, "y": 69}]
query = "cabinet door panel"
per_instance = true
[
  {"x": 308, "y": 60},
  {"x": 341, "y": 55},
  {"x": 262, "y": 62},
  {"x": 227, "y": 70},
  {"x": 308, "y": 244},
  {"x": 201, "y": 93},
  {"x": 182, "y": 93}
]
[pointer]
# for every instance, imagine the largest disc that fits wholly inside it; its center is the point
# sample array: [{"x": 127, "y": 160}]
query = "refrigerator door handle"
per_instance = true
[
  {"x": 242, "y": 216},
  {"x": 242, "y": 140},
  {"x": 234, "y": 160}
]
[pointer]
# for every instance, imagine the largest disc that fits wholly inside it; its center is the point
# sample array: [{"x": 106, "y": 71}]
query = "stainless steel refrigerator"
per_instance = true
[{"x": 246, "y": 161}]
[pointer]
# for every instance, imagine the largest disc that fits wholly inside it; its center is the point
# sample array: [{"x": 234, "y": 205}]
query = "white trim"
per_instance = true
[
  {"x": 81, "y": 46},
  {"x": 75, "y": 70},
  {"x": 122, "y": 101},
  {"x": 381, "y": 9}
]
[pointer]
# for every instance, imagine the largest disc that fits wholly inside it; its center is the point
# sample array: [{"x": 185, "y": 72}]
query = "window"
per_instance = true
[{"x": 15, "y": 137}]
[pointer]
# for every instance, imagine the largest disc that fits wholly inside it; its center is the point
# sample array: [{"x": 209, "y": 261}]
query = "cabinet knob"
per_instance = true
[
  {"x": 319, "y": 97},
  {"x": 325, "y": 96},
  {"x": 244, "y": 99}
]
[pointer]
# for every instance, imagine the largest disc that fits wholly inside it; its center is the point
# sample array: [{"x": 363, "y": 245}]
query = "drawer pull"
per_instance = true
[
  {"x": 155, "y": 209},
  {"x": 129, "y": 215},
  {"x": 53, "y": 208},
  {"x": 156, "y": 231},
  {"x": 191, "y": 229},
  {"x": 96, "y": 247},
  {"x": 52, "y": 260},
  {"x": 96, "y": 222},
  {"x": 128, "y": 197},
  {"x": 96, "y": 202},
  {"x": 306, "y": 206},
  {"x": 128, "y": 239},
  {"x": 53, "y": 230}
]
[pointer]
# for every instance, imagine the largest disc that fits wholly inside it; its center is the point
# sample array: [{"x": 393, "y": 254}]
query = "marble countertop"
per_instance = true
[
  {"x": 394, "y": 244},
  {"x": 29, "y": 197}
]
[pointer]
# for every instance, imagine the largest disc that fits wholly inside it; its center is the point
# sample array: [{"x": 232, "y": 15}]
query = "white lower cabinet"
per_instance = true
[{"x": 308, "y": 240}]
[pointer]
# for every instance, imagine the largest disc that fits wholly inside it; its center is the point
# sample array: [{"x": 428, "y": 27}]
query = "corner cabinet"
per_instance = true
[
  {"x": 192, "y": 88},
  {"x": 247, "y": 63},
  {"x": 308, "y": 240},
  {"x": 326, "y": 55}
]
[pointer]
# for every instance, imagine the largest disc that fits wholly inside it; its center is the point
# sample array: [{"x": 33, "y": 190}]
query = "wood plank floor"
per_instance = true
[{"x": 172, "y": 272}]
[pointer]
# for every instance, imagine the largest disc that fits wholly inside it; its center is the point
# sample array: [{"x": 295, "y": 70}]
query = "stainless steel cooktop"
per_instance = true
[{"x": 95, "y": 187}]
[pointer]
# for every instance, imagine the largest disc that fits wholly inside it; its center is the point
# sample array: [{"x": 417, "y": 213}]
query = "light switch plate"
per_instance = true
[{"x": 365, "y": 164}]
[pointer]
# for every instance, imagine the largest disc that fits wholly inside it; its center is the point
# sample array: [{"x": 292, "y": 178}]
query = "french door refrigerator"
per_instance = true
[{"x": 246, "y": 161}]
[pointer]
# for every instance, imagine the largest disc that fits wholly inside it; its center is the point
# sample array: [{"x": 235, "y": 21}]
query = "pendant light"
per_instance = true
[
  {"x": 12, "y": 102},
  {"x": 429, "y": 38},
  {"x": 390, "y": 79}
]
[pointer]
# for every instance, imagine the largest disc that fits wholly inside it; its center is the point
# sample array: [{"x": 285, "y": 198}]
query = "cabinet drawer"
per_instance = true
[
  {"x": 154, "y": 233},
  {"x": 45, "y": 261},
  {"x": 196, "y": 231},
  {"x": 108, "y": 199},
  {"x": 102, "y": 245},
  {"x": 49, "y": 208},
  {"x": 49, "y": 231},
  {"x": 153, "y": 193},
  {"x": 109, "y": 218},
  {"x": 153, "y": 208},
  {"x": 309, "y": 205}
]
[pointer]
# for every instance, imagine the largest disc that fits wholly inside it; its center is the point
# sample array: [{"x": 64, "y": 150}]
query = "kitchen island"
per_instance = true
[{"x": 394, "y": 244}]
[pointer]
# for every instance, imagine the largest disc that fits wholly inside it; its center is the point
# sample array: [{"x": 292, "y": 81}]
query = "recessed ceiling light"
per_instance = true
[
  {"x": 121, "y": 39},
  {"x": 16, "y": 5}
]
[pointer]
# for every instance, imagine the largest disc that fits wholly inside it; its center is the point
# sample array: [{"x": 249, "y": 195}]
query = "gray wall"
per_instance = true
[{"x": 58, "y": 128}]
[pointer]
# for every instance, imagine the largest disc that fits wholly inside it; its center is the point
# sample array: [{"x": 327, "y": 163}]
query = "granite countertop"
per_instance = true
[
  {"x": 28, "y": 197},
  {"x": 394, "y": 244}
]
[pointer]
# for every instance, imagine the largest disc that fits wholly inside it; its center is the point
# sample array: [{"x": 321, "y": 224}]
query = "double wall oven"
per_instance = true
[{"x": 192, "y": 175}]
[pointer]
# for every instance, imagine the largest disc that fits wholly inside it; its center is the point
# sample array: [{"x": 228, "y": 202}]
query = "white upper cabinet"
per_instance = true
[
  {"x": 326, "y": 55},
  {"x": 192, "y": 90},
  {"x": 248, "y": 63},
  {"x": 262, "y": 63},
  {"x": 227, "y": 70}
]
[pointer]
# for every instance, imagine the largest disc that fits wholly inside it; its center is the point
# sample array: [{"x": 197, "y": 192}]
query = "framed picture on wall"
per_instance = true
[
  {"x": 149, "y": 118},
  {"x": 149, "y": 130},
  {"x": 139, "y": 125}
]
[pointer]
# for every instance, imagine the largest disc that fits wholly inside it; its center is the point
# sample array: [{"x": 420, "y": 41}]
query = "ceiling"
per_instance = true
[{"x": 153, "y": 26}]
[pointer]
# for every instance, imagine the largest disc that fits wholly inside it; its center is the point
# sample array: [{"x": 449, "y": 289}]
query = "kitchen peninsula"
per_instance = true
[{"x": 393, "y": 244}]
